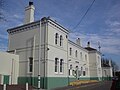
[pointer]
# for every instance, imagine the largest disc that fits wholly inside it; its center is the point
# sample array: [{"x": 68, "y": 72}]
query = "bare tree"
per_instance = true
[{"x": 115, "y": 67}]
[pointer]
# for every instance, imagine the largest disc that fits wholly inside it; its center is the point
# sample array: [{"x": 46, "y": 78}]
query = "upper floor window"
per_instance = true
[
  {"x": 80, "y": 55},
  {"x": 85, "y": 57},
  {"x": 56, "y": 64},
  {"x": 76, "y": 53},
  {"x": 30, "y": 64},
  {"x": 56, "y": 38},
  {"x": 61, "y": 40},
  {"x": 70, "y": 51}
]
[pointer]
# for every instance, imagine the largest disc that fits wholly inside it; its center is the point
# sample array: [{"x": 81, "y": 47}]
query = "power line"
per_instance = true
[{"x": 84, "y": 15}]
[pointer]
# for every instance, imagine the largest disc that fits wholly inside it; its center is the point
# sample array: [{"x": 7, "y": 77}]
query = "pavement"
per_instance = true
[{"x": 106, "y": 85}]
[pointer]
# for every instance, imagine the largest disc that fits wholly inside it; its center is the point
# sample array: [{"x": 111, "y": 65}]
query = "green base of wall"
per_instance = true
[
  {"x": 30, "y": 80},
  {"x": 6, "y": 79},
  {"x": 54, "y": 82}
]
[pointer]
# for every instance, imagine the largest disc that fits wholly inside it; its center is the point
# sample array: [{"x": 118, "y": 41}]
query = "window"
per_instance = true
[
  {"x": 83, "y": 73},
  {"x": 30, "y": 64},
  {"x": 69, "y": 72},
  {"x": 56, "y": 64},
  {"x": 85, "y": 57},
  {"x": 70, "y": 51},
  {"x": 56, "y": 38},
  {"x": 76, "y": 53},
  {"x": 61, "y": 40},
  {"x": 105, "y": 73},
  {"x": 80, "y": 55},
  {"x": 71, "y": 66},
  {"x": 61, "y": 65},
  {"x": 81, "y": 68}
]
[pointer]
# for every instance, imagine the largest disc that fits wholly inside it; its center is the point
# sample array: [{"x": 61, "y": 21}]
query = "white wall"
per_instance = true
[
  {"x": 9, "y": 65},
  {"x": 82, "y": 61},
  {"x": 56, "y": 51}
]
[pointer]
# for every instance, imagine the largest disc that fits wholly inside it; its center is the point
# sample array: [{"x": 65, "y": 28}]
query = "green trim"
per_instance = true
[
  {"x": 53, "y": 82},
  {"x": 106, "y": 78},
  {"x": 94, "y": 78},
  {"x": 6, "y": 79},
  {"x": 31, "y": 80}
]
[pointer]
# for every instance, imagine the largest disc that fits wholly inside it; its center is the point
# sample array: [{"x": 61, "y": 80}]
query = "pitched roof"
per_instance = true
[{"x": 90, "y": 49}]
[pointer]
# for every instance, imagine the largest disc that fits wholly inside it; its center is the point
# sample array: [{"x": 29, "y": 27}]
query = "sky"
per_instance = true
[{"x": 101, "y": 24}]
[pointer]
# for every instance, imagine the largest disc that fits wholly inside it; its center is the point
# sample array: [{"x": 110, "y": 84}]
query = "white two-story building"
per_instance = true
[{"x": 48, "y": 59}]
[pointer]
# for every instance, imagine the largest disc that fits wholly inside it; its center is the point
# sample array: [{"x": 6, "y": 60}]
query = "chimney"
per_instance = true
[
  {"x": 88, "y": 44},
  {"x": 110, "y": 63},
  {"x": 29, "y": 13},
  {"x": 78, "y": 41}
]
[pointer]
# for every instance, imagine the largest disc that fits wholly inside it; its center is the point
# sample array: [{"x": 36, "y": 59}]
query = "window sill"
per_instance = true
[{"x": 56, "y": 73}]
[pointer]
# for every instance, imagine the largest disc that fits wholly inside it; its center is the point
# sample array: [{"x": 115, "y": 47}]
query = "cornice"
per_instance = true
[{"x": 23, "y": 28}]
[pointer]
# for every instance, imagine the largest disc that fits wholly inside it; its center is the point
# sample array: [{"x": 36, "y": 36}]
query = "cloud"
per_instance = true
[
  {"x": 3, "y": 47},
  {"x": 3, "y": 36}
]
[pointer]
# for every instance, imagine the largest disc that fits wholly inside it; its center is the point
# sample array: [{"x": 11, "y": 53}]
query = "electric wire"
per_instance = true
[{"x": 84, "y": 15}]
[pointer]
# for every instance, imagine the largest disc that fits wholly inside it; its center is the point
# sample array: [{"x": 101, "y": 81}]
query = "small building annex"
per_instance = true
[{"x": 9, "y": 68}]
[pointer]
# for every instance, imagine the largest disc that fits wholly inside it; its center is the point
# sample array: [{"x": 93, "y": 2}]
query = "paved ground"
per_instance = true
[{"x": 95, "y": 86}]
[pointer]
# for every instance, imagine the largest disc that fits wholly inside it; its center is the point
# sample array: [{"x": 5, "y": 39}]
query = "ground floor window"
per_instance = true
[
  {"x": 56, "y": 64},
  {"x": 30, "y": 64},
  {"x": 84, "y": 73},
  {"x": 61, "y": 65}
]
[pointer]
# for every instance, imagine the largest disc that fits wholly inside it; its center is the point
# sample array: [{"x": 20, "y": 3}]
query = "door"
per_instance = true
[{"x": 6, "y": 79}]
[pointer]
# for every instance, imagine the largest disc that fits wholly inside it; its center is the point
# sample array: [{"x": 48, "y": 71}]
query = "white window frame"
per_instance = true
[
  {"x": 29, "y": 65},
  {"x": 70, "y": 51},
  {"x": 61, "y": 40},
  {"x": 56, "y": 38},
  {"x": 62, "y": 66},
  {"x": 56, "y": 72}
]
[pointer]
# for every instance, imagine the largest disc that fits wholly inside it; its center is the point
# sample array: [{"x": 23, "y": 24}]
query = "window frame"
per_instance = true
[
  {"x": 76, "y": 53},
  {"x": 61, "y": 40},
  {"x": 56, "y": 65},
  {"x": 61, "y": 66},
  {"x": 56, "y": 38},
  {"x": 30, "y": 65},
  {"x": 70, "y": 51}
]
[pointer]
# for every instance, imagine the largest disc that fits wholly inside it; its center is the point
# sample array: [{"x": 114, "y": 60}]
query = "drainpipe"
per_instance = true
[
  {"x": 33, "y": 60},
  {"x": 39, "y": 61},
  {"x": 45, "y": 62}
]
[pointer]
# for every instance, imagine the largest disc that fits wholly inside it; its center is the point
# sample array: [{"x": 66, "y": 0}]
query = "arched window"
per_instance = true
[
  {"x": 56, "y": 38},
  {"x": 61, "y": 65},
  {"x": 70, "y": 51},
  {"x": 76, "y": 53},
  {"x": 56, "y": 64},
  {"x": 61, "y": 40}
]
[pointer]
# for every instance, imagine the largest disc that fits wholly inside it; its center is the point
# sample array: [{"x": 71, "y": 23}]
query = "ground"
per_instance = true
[{"x": 106, "y": 85}]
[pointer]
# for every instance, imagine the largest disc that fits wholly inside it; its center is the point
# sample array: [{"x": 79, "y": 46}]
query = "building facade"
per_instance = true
[
  {"x": 46, "y": 52},
  {"x": 9, "y": 68}
]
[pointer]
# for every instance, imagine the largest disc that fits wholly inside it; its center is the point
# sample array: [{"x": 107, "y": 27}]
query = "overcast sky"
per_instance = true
[{"x": 101, "y": 24}]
